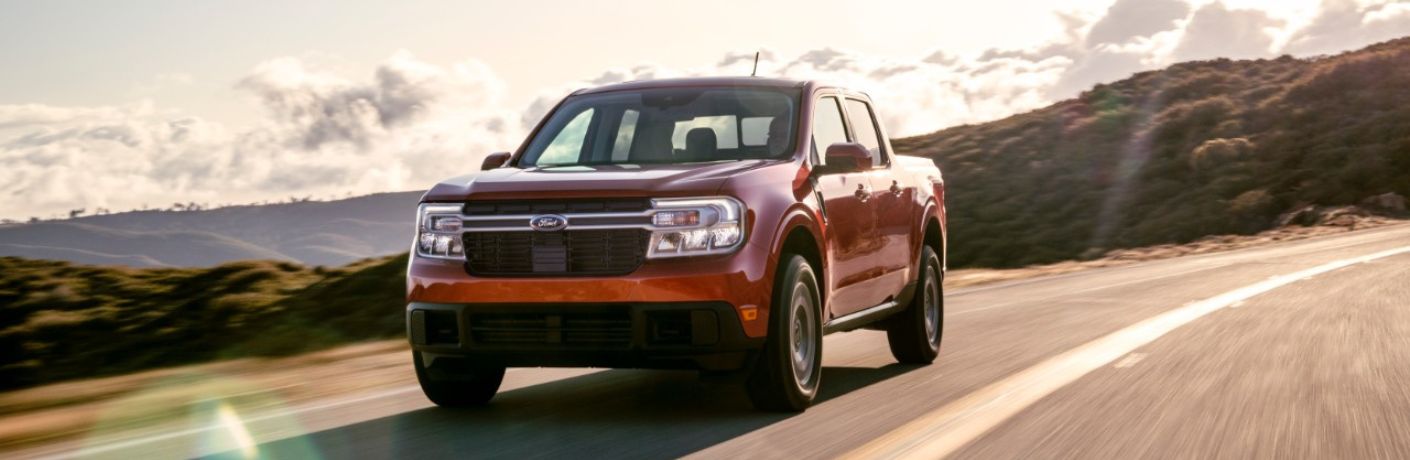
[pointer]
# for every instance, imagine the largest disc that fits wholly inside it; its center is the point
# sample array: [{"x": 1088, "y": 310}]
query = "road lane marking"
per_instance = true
[
  {"x": 947, "y": 429},
  {"x": 1129, "y": 360}
]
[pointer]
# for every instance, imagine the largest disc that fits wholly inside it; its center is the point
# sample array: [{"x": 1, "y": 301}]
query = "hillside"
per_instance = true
[
  {"x": 1168, "y": 156},
  {"x": 313, "y": 233},
  {"x": 62, "y": 321}
]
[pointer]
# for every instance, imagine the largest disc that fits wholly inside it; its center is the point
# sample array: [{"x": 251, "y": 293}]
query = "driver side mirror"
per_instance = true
[
  {"x": 848, "y": 157},
  {"x": 495, "y": 160}
]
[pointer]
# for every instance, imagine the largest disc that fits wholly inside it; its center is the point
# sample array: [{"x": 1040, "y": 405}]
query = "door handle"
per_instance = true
[
  {"x": 896, "y": 187},
  {"x": 863, "y": 192}
]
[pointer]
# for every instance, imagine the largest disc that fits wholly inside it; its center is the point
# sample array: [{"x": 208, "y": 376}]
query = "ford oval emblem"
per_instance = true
[{"x": 548, "y": 223}]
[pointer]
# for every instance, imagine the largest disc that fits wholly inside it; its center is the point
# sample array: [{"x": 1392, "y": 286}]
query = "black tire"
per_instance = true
[
  {"x": 776, "y": 383},
  {"x": 458, "y": 383},
  {"x": 912, "y": 338}
]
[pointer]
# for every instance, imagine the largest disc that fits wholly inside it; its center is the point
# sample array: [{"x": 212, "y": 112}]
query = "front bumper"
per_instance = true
[{"x": 668, "y": 335}]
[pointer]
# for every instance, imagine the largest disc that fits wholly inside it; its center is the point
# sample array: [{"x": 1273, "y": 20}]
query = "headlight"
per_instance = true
[
  {"x": 438, "y": 232},
  {"x": 695, "y": 226}
]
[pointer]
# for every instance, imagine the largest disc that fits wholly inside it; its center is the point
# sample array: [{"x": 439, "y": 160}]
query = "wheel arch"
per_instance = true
[
  {"x": 800, "y": 234},
  {"x": 934, "y": 235}
]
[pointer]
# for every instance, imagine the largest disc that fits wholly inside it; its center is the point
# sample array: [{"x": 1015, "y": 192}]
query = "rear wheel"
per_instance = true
[
  {"x": 915, "y": 333},
  {"x": 456, "y": 382},
  {"x": 788, "y": 372}
]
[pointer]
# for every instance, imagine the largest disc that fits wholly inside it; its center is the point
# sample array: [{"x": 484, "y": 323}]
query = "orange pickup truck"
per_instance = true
[{"x": 718, "y": 224}]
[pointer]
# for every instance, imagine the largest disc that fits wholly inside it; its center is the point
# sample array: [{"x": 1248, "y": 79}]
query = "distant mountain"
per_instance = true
[
  {"x": 314, "y": 233},
  {"x": 1169, "y": 156}
]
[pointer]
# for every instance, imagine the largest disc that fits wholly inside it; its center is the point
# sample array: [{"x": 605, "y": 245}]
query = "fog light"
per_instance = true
[
  {"x": 668, "y": 242},
  {"x": 725, "y": 235},
  {"x": 427, "y": 241},
  {"x": 696, "y": 240}
]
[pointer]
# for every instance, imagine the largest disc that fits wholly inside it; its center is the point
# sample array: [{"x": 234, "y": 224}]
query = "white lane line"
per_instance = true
[
  {"x": 1129, "y": 360},
  {"x": 945, "y": 430}
]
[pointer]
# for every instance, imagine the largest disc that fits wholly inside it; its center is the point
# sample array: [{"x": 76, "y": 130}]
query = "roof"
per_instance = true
[{"x": 696, "y": 82}]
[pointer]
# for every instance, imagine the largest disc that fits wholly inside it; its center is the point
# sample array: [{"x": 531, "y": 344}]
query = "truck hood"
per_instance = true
[{"x": 595, "y": 181}]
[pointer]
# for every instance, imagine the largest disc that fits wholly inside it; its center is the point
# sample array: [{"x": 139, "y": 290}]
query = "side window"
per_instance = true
[
  {"x": 567, "y": 146},
  {"x": 755, "y": 130},
  {"x": 827, "y": 127},
  {"x": 626, "y": 132},
  {"x": 864, "y": 127}
]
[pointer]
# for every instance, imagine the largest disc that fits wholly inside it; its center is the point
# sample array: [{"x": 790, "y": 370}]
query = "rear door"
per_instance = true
[
  {"x": 891, "y": 199},
  {"x": 851, "y": 217}
]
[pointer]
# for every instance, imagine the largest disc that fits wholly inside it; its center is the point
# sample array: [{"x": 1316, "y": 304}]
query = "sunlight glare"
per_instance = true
[{"x": 230, "y": 421}]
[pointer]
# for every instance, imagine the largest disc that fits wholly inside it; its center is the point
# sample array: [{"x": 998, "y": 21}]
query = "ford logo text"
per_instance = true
[{"x": 548, "y": 223}]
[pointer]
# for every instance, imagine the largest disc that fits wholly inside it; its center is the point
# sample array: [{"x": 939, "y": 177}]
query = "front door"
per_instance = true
[{"x": 851, "y": 219}]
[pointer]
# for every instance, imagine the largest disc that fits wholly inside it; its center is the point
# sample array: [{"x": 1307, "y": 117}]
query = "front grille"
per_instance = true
[
  {"x": 531, "y": 207},
  {"x": 566, "y": 253},
  {"x": 595, "y": 329}
]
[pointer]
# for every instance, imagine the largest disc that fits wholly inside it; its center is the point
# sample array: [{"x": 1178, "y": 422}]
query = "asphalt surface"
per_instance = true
[{"x": 1316, "y": 368}]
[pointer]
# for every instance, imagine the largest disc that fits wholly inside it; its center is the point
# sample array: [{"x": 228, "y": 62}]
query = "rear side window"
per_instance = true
[
  {"x": 827, "y": 127},
  {"x": 864, "y": 128},
  {"x": 724, "y": 126}
]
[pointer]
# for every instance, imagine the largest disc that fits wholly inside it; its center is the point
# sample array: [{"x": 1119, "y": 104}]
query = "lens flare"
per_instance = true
[{"x": 232, "y": 426}]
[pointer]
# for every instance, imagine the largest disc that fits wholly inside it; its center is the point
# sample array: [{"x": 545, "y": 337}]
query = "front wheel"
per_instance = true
[
  {"x": 914, "y": 333},
  {"x": 788, "y": 372},
  {"x": 456, "y": 382}
]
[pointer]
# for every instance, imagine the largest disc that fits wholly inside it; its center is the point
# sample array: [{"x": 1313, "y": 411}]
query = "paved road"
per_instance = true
[{"x": 1314, "y": 367}]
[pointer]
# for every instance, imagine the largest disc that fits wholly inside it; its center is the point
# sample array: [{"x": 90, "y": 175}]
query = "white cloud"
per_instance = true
[
  {"x": 411, "y": 122},
  {"x": 1217, "y": 31},
  {"x": 325, "y": 135},
  {"x": 1130, "y": 19},
  {"x": 1342, "y": 24}
]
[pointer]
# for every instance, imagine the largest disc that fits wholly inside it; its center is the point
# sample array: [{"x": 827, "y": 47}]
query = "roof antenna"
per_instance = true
[{"x": 755, "y": 72}]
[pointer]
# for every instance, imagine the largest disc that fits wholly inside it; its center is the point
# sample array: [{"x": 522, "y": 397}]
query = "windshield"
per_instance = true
[{"x": 673, "y": 125}]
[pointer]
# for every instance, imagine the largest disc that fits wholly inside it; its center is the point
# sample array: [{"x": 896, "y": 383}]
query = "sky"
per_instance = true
[{"x": 126, "y": 105}]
